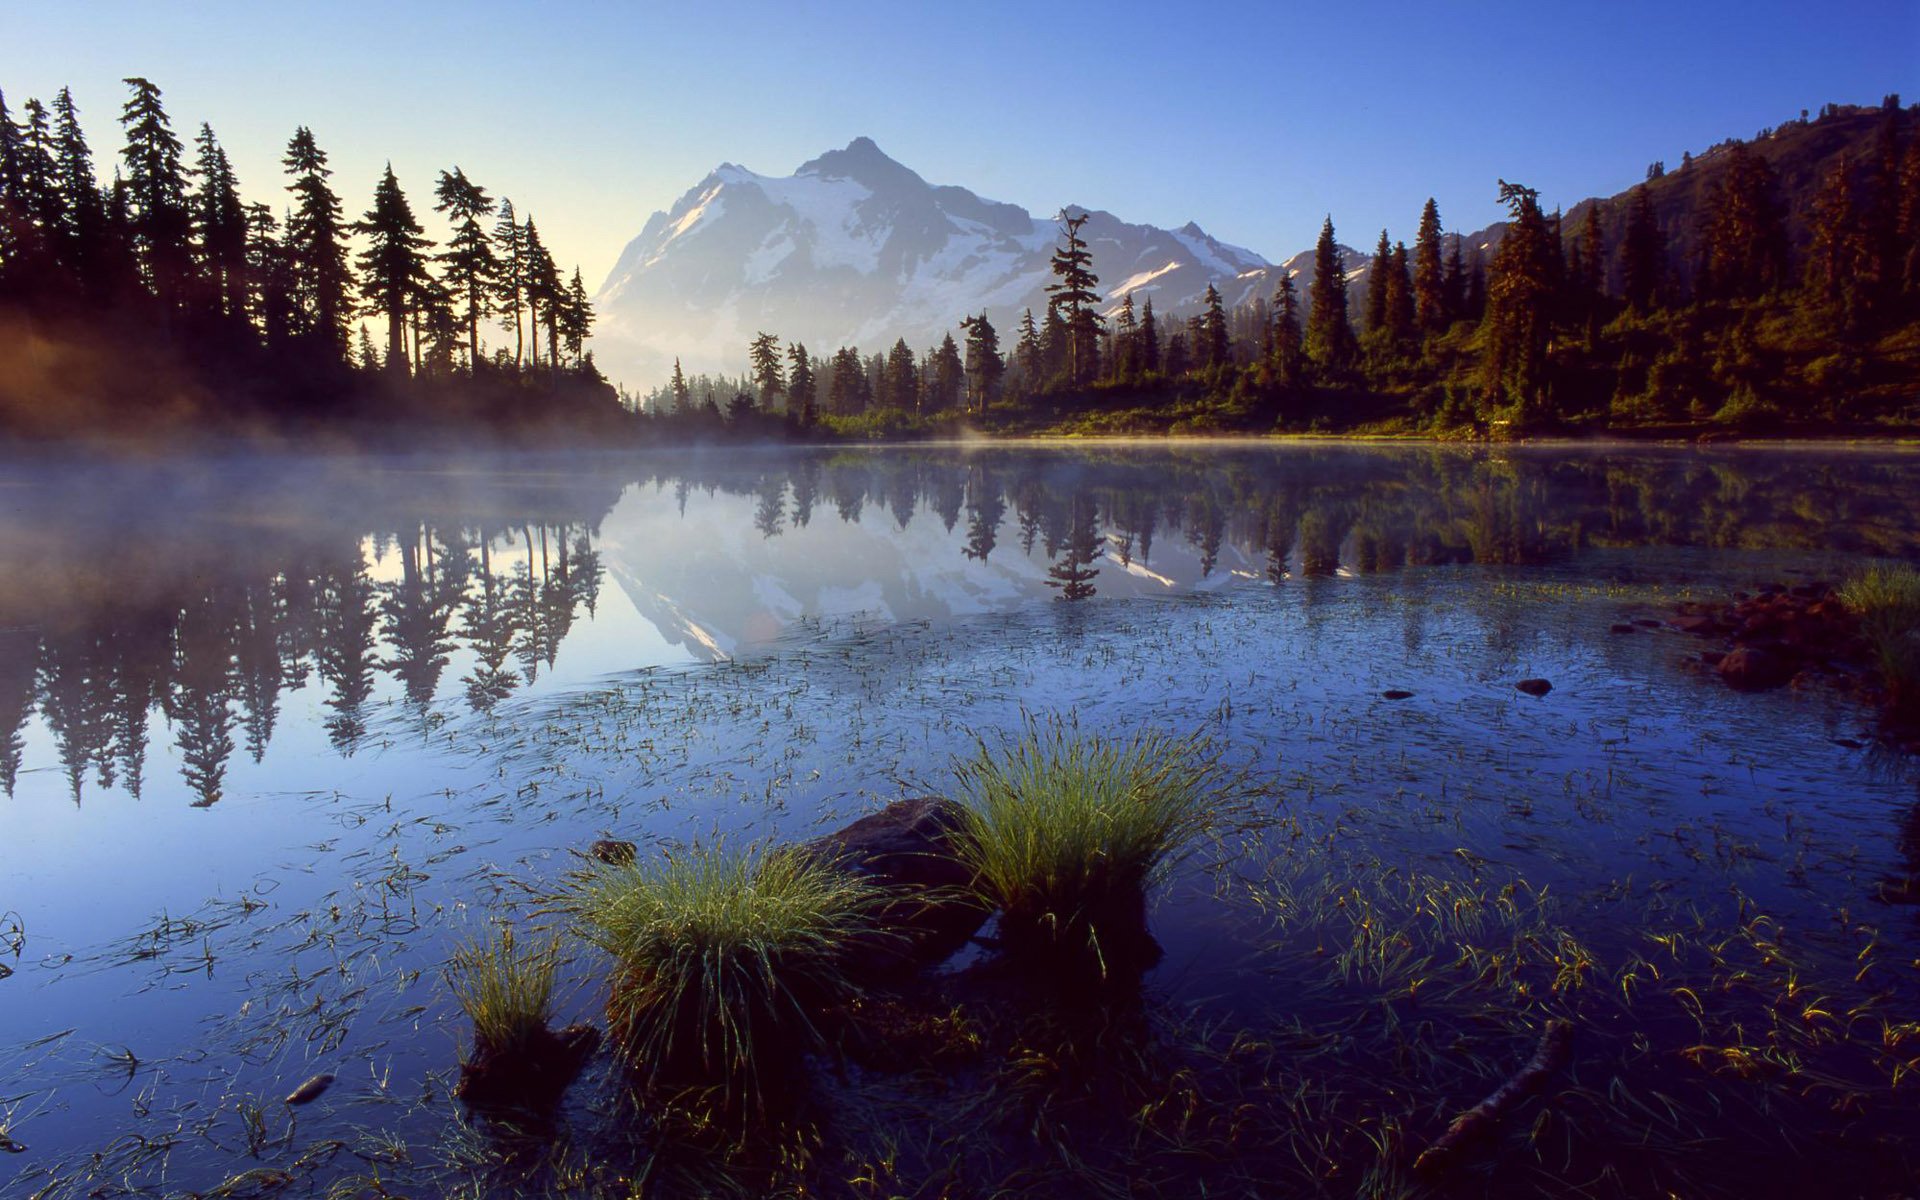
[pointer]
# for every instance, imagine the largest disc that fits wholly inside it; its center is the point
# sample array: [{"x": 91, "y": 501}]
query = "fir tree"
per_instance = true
[
  {"x": 220, "y": 225},
  {"x": 1329, "y": 337},
  {"x": 1289, "y": 350},
  {"x": 81, "y": 220},
  {"x": 802, "y": 397},
  {"x": 902, "y": 383},
  {"x": 1027, "y": 350},
  {"x": 1212, "y": 345},
  {"x": 1400, "y": 300},
  {"x": 156, "y": 189},
  {"x": 682, "y": 395},
  {"x": 544, "y": 296},
  {"x": 1126, "y": 358},
  {"x": 1376, "y": 315},
  {"x": 1073, "y": 300},
  {"x": 946, "y": 380},
  {"x": 1429, "y": 276},
  {"x": 764, "y": 357},
  {"x": 394, "y": 265},
  {"x": 576, "y": 317},
  {"x": 1149, "y": 342},
  {"x": 510, "y": 273},
  {"x": 468, "y": 260},
  {"x": 1074, "y": 573},
  {"x": 1178, "y": 362},
  {"x": 1746, "y": 239},
  {"x": 983, "y": 364},
  {"x": 316, "y": 247},
  {"x": 1837, "y": 259},
  {"x": 1643, "y": 253},
  {"x": 1520, "y": 291}
]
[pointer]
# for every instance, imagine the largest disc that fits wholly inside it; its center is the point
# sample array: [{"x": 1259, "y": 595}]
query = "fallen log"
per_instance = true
[{"x": 1477, "y": 1122}]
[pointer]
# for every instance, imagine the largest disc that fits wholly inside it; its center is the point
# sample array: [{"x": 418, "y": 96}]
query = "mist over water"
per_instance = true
[{"x": 279, "y": 731}]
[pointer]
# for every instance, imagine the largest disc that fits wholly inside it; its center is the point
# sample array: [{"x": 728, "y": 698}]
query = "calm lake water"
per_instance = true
[{"x": 276, "y": 733}]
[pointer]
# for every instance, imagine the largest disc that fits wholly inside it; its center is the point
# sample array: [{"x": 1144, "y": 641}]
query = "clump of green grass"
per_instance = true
[
  {"x": 721, "y": 958},
  {"x": 1065, "y": 832},
  {"x": 1886, "y": 597},
  {"x": 506, "y": 990}
]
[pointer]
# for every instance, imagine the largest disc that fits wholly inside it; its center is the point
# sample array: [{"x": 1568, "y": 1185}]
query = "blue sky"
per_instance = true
[{"x": 1253, "y": 119}]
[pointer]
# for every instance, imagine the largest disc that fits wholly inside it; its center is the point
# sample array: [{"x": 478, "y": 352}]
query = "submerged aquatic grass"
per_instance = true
[
  {"x": 505, "y": 989},
  {"x": 721, "y": 958},
  {"x": 1064, "y": 832}
]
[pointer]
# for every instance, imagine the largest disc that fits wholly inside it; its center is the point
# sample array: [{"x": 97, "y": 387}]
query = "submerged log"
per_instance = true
[{"x": 1555, "y": 1048}]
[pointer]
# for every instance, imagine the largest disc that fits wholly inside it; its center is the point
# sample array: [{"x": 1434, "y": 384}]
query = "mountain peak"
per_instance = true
[{"x": 861, "y": 160}]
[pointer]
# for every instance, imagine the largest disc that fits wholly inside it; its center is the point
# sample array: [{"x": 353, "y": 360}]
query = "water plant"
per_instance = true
[
  {"x": 505, "y": 989},
  {"x": 723, "y": 958},
  {"x": 1064, "y": 832},
  {"x": 1886, "y": 597}
]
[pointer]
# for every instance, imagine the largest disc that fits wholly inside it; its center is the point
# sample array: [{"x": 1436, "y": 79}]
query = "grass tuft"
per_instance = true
[
  {"x": 505, "y": 990},
  {"x": 721, "y": 956},
  {"x": 1065, "y": 832},
  {"x": 1886, "y": 597}
]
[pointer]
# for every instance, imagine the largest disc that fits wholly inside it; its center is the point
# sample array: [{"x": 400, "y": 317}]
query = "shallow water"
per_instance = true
[{"x": 285, "y": 730}]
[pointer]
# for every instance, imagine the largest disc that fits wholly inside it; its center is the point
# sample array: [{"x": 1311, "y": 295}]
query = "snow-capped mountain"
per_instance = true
[{"x": 854, "y": 249}]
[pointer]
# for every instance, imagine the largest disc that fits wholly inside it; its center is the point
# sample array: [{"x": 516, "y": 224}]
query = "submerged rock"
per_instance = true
[
  {"x": 1397, "y": 694},
  {"x": 1534, "y": 687},
  {"x": 614, "y": 853},
  {"x": 1753, "y": 669},
  {"x": 908, "y": 847},
  {"x": 530, "y": 1077},
  {"x": 1623, "y": 627}
]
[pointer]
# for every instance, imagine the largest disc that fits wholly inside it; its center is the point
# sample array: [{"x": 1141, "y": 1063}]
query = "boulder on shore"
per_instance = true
[{"x": 1753, "y": 669}]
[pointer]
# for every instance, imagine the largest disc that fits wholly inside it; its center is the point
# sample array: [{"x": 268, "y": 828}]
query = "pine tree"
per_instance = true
[
  {"x": 682, "y": 395},
  {"x": 1027, "y": 351},
  {"x": 316, "y": 247},
  {"x": 1746, "y": 238},
  {"x": 1074, "y": 573},
  {"x": 156, "y": 188},
  {"x": 902, "y": 379},
  {"x": 946, "y": 377},
  {"x": 82, "y": 214},
  {"x": 1429, "y": 277},
  {"x": 269, "y": 278},
  {"x": 768, "y": 374},
  {"x": 510, "y": 273},
  {"x": 1520, "y": 290},
  {"x": 983, "y": 364},
  {"x": 394, "y": 266},
  {"x": 1213, "y": 346},
  {"x": 1126, "y": 357},
  {"x": 468, "y": 259},
  {"x": 1643, "y": 253},
  {"x": 1149, "y": 341},
  {"x": 1178, "y": 362},
  {"x": 802, "y": 393},
  {"x": 1289, "y": 351},
  {"x": 1330, "y": 341},
  {"x": 1376, "y": 316},
  {"x": 576, "y": 317},
  {"x": 220, "y": 224},
  {"x": 544, "y": 295},
  {"x": 16, "y": 222},
  {"x": 1073, "y": 300},
  {"x": 1837, "y": 259},
  {"x": 1400, "y": 302}
]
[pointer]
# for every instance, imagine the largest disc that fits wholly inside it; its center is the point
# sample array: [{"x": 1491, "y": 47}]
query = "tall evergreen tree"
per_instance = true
[
  {"x": 1400, "y": 315},
  {"x": 1429, "y": 274},
  {"x": 902, "y": 379},
  {"x": 220, "y": 227},
  {"x": 269, "y": 277},
  {"x": 394, "y": 265},
  {"x": 769, "y": 376},
  {"x": 1073, "y": 300},
  {"x": 544, "y": 295},
  {"x": 1330, "y": 341},
  {"x": 468, "y": 259},
  {"x": 1837, "y": 259},
  {"x": 946, "y": 378},
  {"x": 1520, "y": 291},
  {"x": 316, "y": 243},
  {"x": 1149, "y": 340},
  {"x": 1643, "y": 253},
  {"x": 1376, "y": 315},
  {"x": 157, "y": 191},
  {"x": 1289, "y": 348},
  {"x": 576, "y": 314},
  {"x": 510, "y": 274},
  {"x": 803, "y": 399},
  {"x": 1213, "y": 346},
  {"x": 1126, "y": 340},
  {"x": 82, "y": 213},
  {"x": 1027, "y": 351},
  {"x": 983, "y": 362},
  {"x": 682, "y": 394}
]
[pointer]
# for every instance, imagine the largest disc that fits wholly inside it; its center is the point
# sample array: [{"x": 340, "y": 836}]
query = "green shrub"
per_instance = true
[
  {"x": 721, "y": 958},
  {"x": 1064, "y": 832},
  {"x": 506, "y": 991}
]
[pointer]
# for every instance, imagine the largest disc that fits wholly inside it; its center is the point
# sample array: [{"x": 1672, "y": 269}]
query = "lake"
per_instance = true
[{"x": 281, "y": 731}]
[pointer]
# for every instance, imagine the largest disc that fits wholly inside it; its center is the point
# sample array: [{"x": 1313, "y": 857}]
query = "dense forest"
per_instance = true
[
  {"x": 1770, "y": 286},
  {"x": 1763, "y": 286},
  {"x": 164, "y": 300}
]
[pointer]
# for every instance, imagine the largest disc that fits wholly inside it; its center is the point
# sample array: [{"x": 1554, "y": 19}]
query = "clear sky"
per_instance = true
[{"x": 1254, "y": 119}]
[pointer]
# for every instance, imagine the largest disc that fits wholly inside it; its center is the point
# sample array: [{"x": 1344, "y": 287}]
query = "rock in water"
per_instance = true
[
  {"x": 907, "y": 847},
  {"x": 614, "y": 853},
  {"x": 529, "y": 1077},
  {"x": 1534, "y": 687},
  {"x": 310, "y": 1091},
  {"x": 1752, "y": 669},
  {"x": 1397, "y": 694}
]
